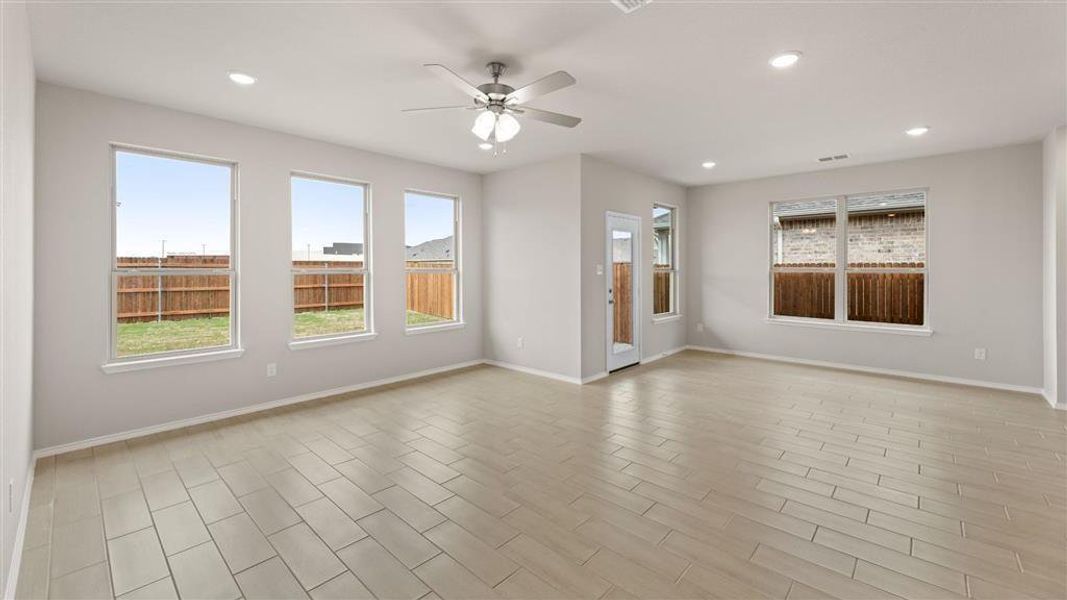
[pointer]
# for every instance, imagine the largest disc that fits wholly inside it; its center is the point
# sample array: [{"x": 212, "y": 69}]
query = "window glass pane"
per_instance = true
[
  {"x": 662, "y": 292},
  {"x": 430, "y": 244},
  {"x": 663, "y": 277},
  {"x": 887, "y": 258},
  {"x": 430, "y": 297},
  {"x": 328, "y": 304},
  {"x": 171, "y": 211},
  {"x": 165, "y": 313},
  {"x": 429, "y": 231},
  {"x": 663, "y": 236},
  {"x": 327, "y": 223},
  {"x": 622, "y": 255},
  {"x": 804, "y": 254}
]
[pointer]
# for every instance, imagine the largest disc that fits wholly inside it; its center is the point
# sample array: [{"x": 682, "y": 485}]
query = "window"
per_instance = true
[
  {"x": 804, "y": 257},
  {"x": 172, "y": 276},
  {"x": 664, "y": 260},
  {"x": 887, "y": 258},
  {"x": 331, "y": 281},
  {"x": 853, "y": 259},
  {"x": 431, "y": 258}
]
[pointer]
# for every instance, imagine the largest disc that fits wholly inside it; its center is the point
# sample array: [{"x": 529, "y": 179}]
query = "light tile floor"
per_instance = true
[{"x": 699, "y": 475}]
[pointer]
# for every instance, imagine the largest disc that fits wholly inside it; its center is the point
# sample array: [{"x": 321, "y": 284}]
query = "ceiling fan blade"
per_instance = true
[
  {"x": 548, "y": 116},
  {"x": 465, "y": 86},
  {"x": 457, "y": 107},
  {"x": 545, "y": 85}
]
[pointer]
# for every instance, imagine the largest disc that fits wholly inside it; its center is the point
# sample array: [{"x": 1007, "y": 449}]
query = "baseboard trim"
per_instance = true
[
  {"x": 245, "y": 410},
  {"x": 1047, "y": 395},
  {"x": 12, "y": 582},
  {"x": 533, "y": 371},
  {"x": 594, "y": 377},
  {"x": 664, "y": 354},
  {"x": 1009, "y": 387}
]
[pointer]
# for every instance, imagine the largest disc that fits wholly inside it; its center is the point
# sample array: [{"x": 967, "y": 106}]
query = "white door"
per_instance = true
[{"x": 623, "y": 274}]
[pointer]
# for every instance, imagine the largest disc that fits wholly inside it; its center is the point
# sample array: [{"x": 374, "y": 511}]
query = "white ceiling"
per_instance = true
[{"x": 660, "y": 90}]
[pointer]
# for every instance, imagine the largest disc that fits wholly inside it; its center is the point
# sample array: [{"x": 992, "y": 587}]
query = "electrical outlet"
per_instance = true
[
  {"x": 520, "y": 343},
  {"x": 272, "y": 369},
  {"x": 979, "y": 354},
  {"x": 700, "y": 327}
]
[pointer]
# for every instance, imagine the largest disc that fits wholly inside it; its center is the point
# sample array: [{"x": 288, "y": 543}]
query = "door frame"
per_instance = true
[{"x": 635, "y": 282}]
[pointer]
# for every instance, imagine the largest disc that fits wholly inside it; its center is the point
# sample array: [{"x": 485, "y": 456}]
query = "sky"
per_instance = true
[{"x": 187, "y": 203}]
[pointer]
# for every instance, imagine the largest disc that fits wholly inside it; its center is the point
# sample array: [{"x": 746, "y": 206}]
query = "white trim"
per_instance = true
[
  {"x": 1009, "y": 387},
  {"x": 665, "y": 354},
  {"x": 1047, "y": 395},
  {"x": 20, "y": 532},
  {"x": 417, "y": 329},
  {"x": 850, "y": 326},
  {"x": 138, "y": 364},
  {"x": 318, "y": 342},
  {"x": 594, "y": 377},
  {"x": 537, "y": 372},
  {"x": 244, "y": 410},
  {"x": 666, "y": 318}
]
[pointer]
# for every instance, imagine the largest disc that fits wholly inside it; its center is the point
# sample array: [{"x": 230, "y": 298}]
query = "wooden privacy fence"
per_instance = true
[
  {"x": 431, "y": 293},
  {"x": 661, "y": 292},
  {"x": 188, "y": 296},
  {"x": 877, "y": 294},
  {"x": 623, "y": 307}
]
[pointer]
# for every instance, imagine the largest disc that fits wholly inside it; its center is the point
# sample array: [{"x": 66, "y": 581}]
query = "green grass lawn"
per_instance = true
[
  {"x": 163, "y": 336},
  {"x": 151, "y": 337}
]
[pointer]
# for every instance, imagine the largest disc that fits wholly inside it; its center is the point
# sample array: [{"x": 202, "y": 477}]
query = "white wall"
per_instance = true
[
  {"x": 1055, "y": 273},
  {"x": 609, "y": 187},
  {"x": 531, "y": 233},
  {"x": 76, "y": 401},
  {"x": 16, "y": 271},
  {"x": 984, "y": 260}
]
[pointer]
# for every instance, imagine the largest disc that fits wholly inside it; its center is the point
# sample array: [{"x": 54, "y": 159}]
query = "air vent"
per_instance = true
[
  {"x": 835, "y": 157},
  {"x": 629, "y": 6}
]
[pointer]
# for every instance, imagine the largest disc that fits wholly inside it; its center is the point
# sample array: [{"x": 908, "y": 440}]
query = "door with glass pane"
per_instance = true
[{"x": 623, "y": 257}]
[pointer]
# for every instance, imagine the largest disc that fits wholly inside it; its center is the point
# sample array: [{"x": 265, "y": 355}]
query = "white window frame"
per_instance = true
[
  {"x": 675, "y": 309},
  {"x": 115, "y": 363},
  {"x": 456, "y": 270},
  {"x": 841, "y": 270},
  {"x": 368, "y": 332}
]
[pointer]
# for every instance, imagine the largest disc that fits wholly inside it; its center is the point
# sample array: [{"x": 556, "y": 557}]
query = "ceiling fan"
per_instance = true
[{"x": 498, "y": 104}]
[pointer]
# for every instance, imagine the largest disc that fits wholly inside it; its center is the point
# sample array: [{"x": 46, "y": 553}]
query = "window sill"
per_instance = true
[
  {"x": 319, "y": 342},
  {"x": 892, "y": 329},
  {"x": 434, "y": 328},
  {"x": 668, "y": 318},
  {"x": 138, "y": 364}
]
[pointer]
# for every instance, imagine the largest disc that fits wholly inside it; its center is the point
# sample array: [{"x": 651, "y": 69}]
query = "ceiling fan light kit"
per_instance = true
[{"x": 498, "y": 104}]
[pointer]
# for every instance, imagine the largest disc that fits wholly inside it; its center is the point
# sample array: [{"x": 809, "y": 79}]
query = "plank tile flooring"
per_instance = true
[{"x": 699, "y": 475}]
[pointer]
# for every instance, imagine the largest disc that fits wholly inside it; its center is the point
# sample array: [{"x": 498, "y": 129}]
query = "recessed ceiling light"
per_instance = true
[
  {"x": 485, "y": 146},
  {"x": 708, "y": 164},
  {"x": 917, "y": 131},
  {"x": 785, "y": 60},
  {"x": 241, "y": 78}
]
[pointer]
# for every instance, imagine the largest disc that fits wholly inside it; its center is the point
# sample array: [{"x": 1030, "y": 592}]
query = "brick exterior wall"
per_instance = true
[{"x": 872, "y": 239}]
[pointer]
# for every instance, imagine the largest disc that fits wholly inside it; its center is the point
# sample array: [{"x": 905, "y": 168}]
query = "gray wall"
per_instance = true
[
  {"x": 1055, "y": 272},
  {"x": 609, "y": 187},
  {"x": 76, "y": 401},
  {"x": 531, "y": 231},
  {"x": 985, "y": 256},
  {"x": 16, "y": 271}
]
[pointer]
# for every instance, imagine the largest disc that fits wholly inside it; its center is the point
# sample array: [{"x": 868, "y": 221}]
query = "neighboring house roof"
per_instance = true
[
  {"x": 440, "y": 249},
  {"x": 871, "y": 203}
]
